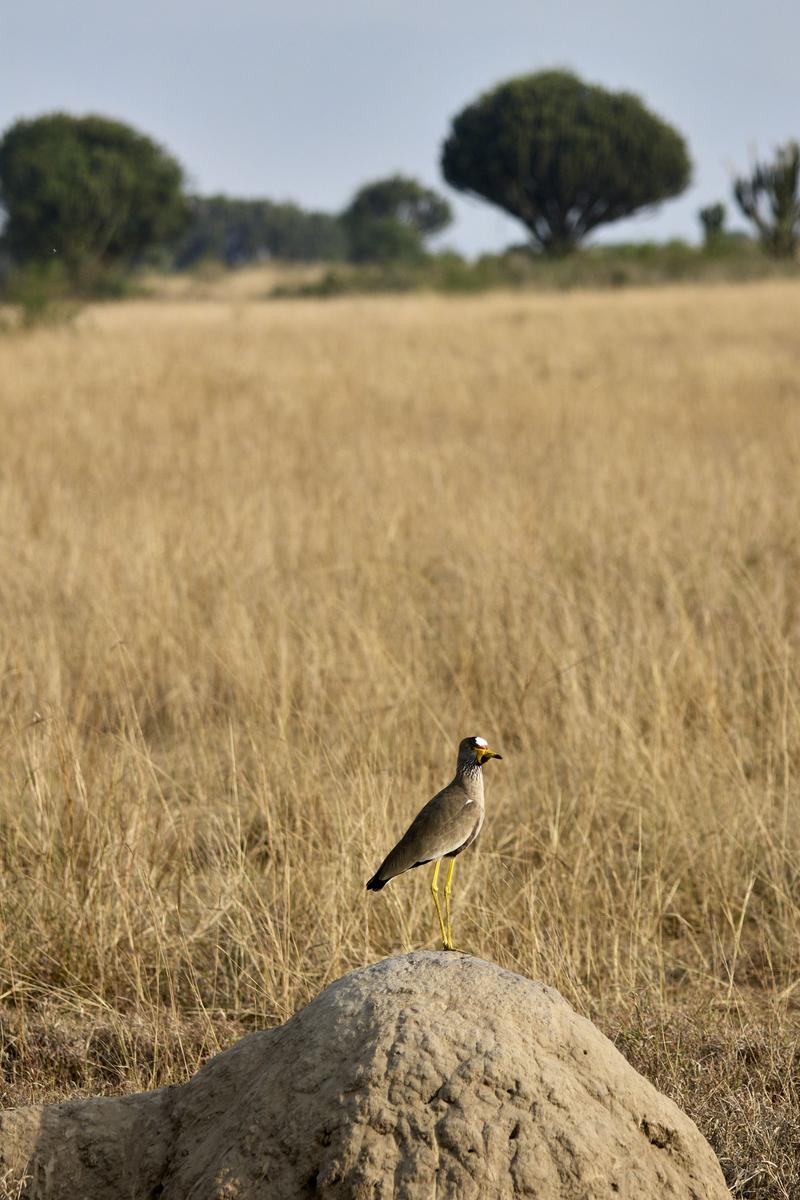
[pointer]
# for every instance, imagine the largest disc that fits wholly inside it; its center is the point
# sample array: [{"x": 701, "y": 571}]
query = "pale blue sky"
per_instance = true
[{"x": 306, "y": 100}]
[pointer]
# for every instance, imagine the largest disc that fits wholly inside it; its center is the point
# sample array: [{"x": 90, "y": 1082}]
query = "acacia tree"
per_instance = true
[
  {"x": 91, "y": 190},
  {"x": 390, "y": 219},
  {"x": 563, "y": 156},
  {"x": 770, "y": 198}
]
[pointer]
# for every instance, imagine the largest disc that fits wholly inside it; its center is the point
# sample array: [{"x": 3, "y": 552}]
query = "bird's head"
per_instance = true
[{"x": 474, "y": 751}]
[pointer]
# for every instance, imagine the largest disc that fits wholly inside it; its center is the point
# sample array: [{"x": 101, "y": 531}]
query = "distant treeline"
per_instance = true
[
  {"x": 387, "y": 220},
  {"x": 87, "y": 195},
  {"x": 236, "y": 232}
]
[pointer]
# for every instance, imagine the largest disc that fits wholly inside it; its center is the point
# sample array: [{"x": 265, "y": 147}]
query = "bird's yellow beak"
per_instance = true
[{"x": 483, "y": 754}]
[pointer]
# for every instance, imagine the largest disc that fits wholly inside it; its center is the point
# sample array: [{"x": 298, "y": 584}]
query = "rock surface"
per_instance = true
[{"x": 425, "y": 1075}]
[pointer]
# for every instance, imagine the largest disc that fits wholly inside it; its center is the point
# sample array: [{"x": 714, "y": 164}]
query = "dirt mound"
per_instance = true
[{"x": 426, "y": 1074}]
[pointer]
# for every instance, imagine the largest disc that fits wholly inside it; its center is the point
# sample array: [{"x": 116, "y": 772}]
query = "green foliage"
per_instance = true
[
  {"x": 712, "y": 219},
  {"x": 770, "y": 198},
  {"x": 384, "y": 240},
  {"x": 563, "y": 156},
  {"x": 40, "y": 293},
  {"x": 400, "y": 199},
  {"x": 637, "y": 264},
  {"x": 388, "y": 220},
  {"x": 237, "y": 232},
  {"x": 90, "y": 190}
]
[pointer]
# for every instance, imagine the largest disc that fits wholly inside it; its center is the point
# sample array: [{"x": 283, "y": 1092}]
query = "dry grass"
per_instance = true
[
  {"x": 264, "y": 564},
  {"x": 213, "y": 281}
]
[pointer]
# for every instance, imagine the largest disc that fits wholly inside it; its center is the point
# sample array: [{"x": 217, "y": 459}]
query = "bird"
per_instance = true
[{"x": 447, "y": 824}]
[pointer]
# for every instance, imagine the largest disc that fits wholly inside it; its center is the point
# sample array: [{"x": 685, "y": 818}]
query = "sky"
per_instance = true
[{"x": 306, "y": 100}]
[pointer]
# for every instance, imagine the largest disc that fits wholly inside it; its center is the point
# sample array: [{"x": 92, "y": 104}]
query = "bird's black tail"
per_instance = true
[{"x": 376, "y": 883}]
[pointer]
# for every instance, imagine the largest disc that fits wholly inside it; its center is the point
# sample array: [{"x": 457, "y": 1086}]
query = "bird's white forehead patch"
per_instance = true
[{"x": 481, "y": 742}]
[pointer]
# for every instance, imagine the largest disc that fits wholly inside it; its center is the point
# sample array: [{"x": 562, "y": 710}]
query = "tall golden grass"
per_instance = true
[{"x": 265, "y": 564}]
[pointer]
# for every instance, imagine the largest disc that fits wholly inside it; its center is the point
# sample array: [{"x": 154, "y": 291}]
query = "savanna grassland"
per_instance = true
[{"x": 265, "y": 563}]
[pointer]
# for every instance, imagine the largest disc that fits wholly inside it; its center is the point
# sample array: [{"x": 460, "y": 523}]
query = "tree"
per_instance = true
[
  {"x": 712, "y": 218},
  {"x": 770, "y": 198},
  {"x": 389, "y": 219},
  {"x": 241, "y": 231},
  {"x": 563, "y": 156},
  {"x": 91, "y": 190}
]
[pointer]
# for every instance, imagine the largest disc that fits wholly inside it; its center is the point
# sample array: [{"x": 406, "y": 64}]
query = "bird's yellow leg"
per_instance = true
[
  {"x": 448, "y": 887},
  {"x": 435, "y": 891}
]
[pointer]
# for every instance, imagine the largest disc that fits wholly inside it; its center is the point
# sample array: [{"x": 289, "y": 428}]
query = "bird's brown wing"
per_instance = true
[{"x": 442, "y": 826}]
